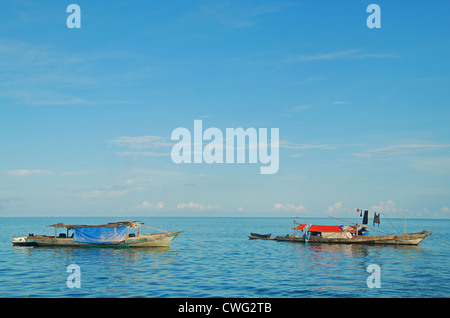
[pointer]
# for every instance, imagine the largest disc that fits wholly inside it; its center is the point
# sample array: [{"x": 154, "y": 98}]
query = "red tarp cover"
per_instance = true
[{"x": 324, "y": 228}]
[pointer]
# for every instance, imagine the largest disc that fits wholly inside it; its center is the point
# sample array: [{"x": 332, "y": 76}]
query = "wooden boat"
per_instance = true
[
  {"x": 347, "y": 234},
  {"x": 115, "y": 234},
  {"x": 260, "y": 236},
  {"x": 398, "y": 239}
]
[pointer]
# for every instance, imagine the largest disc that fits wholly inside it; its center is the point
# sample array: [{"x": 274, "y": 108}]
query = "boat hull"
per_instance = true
[
  {"x": 22, "y": 241},
  {"x": 145, "y": 240},
  {"x": 400, "y": 239},
  {"x": 260, "y": 236}
]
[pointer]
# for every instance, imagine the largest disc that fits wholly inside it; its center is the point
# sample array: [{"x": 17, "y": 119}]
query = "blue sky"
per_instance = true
[{"x": 86, "y": 114}]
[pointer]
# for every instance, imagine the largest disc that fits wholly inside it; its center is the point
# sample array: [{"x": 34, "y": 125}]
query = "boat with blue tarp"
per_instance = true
[{"x": 115, "y": 234}]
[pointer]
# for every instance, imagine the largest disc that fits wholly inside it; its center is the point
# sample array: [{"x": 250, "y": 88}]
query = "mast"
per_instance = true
[
  {"x": 404, "y": 213},
  {"x": 357, "y": 216}
]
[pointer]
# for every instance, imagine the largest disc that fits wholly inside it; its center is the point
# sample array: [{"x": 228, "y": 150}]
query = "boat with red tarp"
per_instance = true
[{"x": 346, "y": 234}]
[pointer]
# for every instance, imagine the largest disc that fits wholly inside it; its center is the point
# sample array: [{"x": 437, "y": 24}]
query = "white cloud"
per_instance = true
[
  {"x": 196, "y": 206},
  {"x": 300, "y": 108},
  {"x": 235, "y": 15},
  {"x": 141, "y": 142},
  {"x": 445, "y": 209},
  {"x": 25, "y": 172},
  {"x": 37, "y": 74},
  {"x": 389, "y": 205},
  {"x": 145, "y": 205},
  {"x": 291, "y": 177},
  {"x": 288, "y": 207},
  {"x": 310, "y": 80},
  {"x": 290, "y": 145},
  {"x": 344, "y": 54},
  {"x": 399, "y": 149},
  {"x": 320, "y": 56},
  {"x": 79, "y": 101},
  {"x": 296, "y": 155},
  {"x": 336, "y": 206},
  {"x": 379, "y": 56},
  {"x": 142, "y": 153},
  {"x": 438, "y": 165},
  {"x": 78, "y": 173},
  {"x": 94, "y": 194},
  {"x": 431, "y": 164},
  {"x": 361, "y": 155}
]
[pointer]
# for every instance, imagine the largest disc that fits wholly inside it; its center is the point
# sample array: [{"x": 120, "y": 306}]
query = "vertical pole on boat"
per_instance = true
[
  {"x": 357, "y": 217},
  {"x": 404, "y": 212}
]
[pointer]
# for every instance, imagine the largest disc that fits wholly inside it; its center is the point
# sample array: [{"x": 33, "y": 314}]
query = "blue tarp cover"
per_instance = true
[{"x": 100, "y": 234}]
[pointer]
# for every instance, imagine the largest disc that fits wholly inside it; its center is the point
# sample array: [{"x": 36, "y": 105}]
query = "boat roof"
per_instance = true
[
  {"x": 113, "y": 224},
  {"x": 327, "y": 228}
]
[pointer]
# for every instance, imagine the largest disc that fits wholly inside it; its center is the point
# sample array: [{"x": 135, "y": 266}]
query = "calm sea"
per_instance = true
[{"x": 213, "y": 257}]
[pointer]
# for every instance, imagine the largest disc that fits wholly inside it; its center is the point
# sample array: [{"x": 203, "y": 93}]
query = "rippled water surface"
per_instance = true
[{"x": 213, "y": 257}]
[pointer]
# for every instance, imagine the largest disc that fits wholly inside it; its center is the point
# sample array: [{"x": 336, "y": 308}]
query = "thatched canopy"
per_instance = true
[{"x": 113, "y": 224}]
